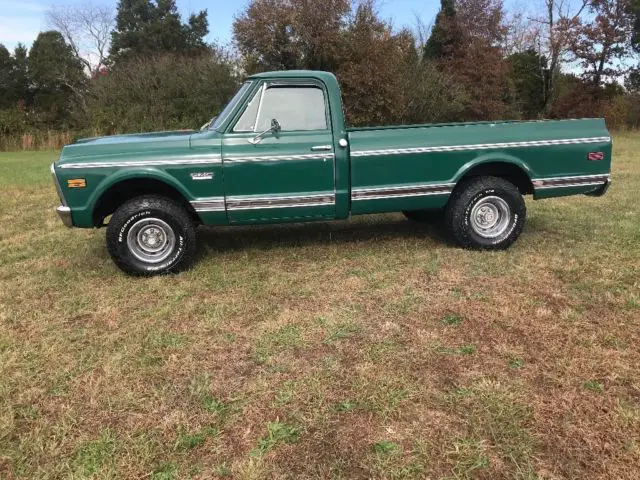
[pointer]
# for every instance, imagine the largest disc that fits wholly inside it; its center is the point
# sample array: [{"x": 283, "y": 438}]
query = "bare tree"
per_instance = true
[
  {"x": 87, "y": 28},
  {"x": 521, "y": 34},
  {"x": 601, "y": 43},
  {"x": 553, "y": 41}
]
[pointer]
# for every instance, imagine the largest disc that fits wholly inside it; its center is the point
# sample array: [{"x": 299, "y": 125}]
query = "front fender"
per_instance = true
[
  {"x": 82, "y": 208},
  {"x": 134, "y": 173}
]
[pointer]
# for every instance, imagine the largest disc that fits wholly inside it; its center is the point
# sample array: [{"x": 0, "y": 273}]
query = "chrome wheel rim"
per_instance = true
[
  {"x": 490, "y": 217},
  {"x": 151, "y": 240}
]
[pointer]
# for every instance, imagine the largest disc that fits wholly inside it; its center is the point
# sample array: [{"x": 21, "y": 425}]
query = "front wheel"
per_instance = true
[
  {"x": 151, "y": 235},
  {"x": 486, "y": 213}
]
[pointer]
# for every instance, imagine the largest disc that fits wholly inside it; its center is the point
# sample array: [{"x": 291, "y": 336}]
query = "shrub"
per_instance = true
[
  {"x": 161, "y": 93},
  {"x": 623, "y": 111}
]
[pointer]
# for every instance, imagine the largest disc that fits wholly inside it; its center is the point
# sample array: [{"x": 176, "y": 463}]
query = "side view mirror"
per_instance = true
[{"x": 275, "y": 129}]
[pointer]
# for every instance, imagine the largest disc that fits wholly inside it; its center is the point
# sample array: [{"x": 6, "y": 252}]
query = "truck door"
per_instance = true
[{"x": 285, "y": 173}]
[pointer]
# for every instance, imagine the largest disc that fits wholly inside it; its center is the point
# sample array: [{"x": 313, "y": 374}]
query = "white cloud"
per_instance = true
[{"x": 20, "y": 22}]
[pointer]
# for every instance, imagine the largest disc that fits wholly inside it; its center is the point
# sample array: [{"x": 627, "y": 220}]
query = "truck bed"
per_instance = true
[{"x": 428, "y": 160}]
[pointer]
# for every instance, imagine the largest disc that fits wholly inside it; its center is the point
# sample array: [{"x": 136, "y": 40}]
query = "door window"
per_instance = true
[{"x": 295, "y": 107}]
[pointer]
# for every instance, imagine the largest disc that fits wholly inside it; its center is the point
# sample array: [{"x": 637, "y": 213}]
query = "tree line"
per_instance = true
[{"x": 145, "y": 68}]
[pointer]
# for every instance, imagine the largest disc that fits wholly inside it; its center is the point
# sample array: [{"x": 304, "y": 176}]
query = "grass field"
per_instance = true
[{"x": 368, "y": 349}]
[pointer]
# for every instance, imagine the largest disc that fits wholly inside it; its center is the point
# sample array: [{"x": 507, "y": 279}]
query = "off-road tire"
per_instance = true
[
  {"x": 492, "y": 192},
  {"x": 166, "y": 216}
]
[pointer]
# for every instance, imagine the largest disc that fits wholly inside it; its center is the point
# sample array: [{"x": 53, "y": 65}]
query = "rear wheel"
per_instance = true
[
  {"x": 151, "y": 235},
  {"x": 486, "y": 213}
]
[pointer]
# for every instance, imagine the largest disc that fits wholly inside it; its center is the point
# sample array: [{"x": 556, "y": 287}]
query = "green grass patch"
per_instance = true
[
  {"x": 452, "y": 320},
  {"x": 461, "y": 350},
  {"x": 191, "y": 440},
  {"x": 341, "y": 331},
  {"x": 385, "y": 447},
  {"x": 93, "y": 456},
  {"x": 277, "y": 432},
  {"x": 594, "y": 386},
  {"x": 516, "y": 363}
]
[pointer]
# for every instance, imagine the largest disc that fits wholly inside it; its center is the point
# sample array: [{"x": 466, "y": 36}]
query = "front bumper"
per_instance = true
[{"x": 65, "y": 215}]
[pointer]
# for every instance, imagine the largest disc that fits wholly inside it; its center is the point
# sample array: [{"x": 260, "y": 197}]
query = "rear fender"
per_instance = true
[{"x": 483, "y": 161}]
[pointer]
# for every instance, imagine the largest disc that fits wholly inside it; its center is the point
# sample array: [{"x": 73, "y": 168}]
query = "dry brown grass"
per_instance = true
[
  {"x": 370, "y": 349},
  {"x": 42, "y": 140}
]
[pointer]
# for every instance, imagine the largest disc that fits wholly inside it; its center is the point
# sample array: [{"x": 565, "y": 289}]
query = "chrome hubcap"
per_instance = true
[
  {"x": 490, "y": 217},
  {"x": 151, "y": 240}
]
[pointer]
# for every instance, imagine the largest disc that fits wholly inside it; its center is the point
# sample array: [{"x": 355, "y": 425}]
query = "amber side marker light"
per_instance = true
[
  {"x": 595, "y": 156},
  {"x": 76, "y": 183}
]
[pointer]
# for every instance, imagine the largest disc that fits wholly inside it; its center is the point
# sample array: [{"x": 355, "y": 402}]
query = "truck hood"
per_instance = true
[
  {"x": 127, "y": 147},
  {"x": 133, "y": 137}
]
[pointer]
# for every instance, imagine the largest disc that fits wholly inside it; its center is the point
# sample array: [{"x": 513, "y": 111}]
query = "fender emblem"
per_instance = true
[{"x": 202, "y": 176}]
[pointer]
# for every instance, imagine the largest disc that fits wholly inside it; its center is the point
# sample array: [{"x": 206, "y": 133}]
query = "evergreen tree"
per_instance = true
[
  {"x": 633, "y": 8},
  {"x": 442, "y": 35},
  {"x": 7, "y": 97},
  {"x": 529, "y": 76},
  {"x": 20, "y": 75},
  {"x": 144, "y": 27},
  {"x": 57, "y": 77}
]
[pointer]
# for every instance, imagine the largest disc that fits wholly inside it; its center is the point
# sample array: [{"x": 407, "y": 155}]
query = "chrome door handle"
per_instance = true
[{"x": 322, "y": 148}]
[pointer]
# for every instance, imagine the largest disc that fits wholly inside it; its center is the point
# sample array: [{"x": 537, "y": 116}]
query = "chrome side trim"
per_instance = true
[
  {"x": 255, "y": 203},
  {"x": 277, "y": 158},
  {"x": 209, "y": 204},
  {"x": 380, "y": 193},
  {"x": 482, "y": 146},
  {"x": 200, "y": 160},
  {"x": 573, "y": 181}
]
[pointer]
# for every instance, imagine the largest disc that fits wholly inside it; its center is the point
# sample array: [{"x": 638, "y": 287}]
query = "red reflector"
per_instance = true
[{"x": 595, "y": 156}]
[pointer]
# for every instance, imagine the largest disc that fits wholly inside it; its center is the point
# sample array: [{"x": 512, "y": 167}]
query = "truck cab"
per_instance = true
[{"x": 284, "y": 149}]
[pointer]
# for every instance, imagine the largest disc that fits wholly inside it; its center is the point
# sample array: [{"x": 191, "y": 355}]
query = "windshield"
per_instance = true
[{"x": 229, "y": 108}]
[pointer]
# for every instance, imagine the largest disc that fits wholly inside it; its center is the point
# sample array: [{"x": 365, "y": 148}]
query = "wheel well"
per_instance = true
[
  {"x": 125, "y": 190},
  {"x": 508, "y": 171}
]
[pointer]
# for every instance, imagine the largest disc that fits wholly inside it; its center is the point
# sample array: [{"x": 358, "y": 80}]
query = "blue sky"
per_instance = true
[{"x": 20, "y": 21}]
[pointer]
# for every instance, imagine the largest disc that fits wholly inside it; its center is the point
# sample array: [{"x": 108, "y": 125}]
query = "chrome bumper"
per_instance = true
[{"x": 65, "y": 215}]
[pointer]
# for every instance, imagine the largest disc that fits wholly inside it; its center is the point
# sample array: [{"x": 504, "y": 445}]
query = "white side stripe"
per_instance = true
[
  {"x": 200, "y": 160},
  {"x": 483, "y": 146},
  {"x": 276, "y": 158}
]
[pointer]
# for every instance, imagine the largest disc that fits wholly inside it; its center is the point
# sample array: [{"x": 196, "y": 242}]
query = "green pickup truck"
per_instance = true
[{"x": 280, "y": 152}]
